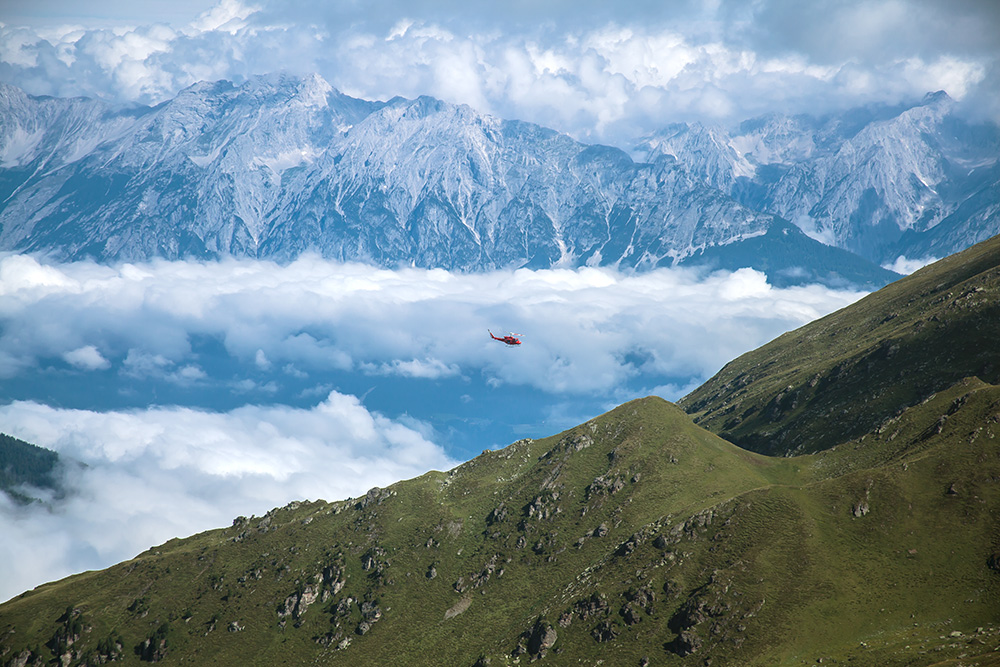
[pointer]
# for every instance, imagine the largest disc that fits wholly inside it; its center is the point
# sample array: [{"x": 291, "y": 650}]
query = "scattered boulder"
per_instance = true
[
  {"x": 575, "y": 442},
  {"x": 371, "y": 560},
  {"x": 154, "y": 647},
  {"x": 592, "y": 606},
  {"x": 458, "y": 608},
  {"x": 604, "y": 485},
  {"x": 628, "y": 546},
  {"x": 629, "y": 614},
  {"x": 605, "y": 631},
  {"x": 496, "y": 515},
  {"x": 687, "y": 643},
  {"x": 296, "y": 604},
  {"x": 994, "y": 562},
  {"x": 24, "y": 658},
  {"x": 329, "y": 639},
  {"x": 375, "y": 496},
  {"x": 370, "y": 611},
  {"x": 643, "y": 597},
  {"x": 543, "y": 636}
]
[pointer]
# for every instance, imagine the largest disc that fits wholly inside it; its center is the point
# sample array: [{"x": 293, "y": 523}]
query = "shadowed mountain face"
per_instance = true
[
  {"x": 852, "y": 372},
  {"x": 636, "y": 537},
  {"x": 26, "y": 470}
]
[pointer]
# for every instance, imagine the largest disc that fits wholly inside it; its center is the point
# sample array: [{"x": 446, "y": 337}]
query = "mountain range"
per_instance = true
[
  {"x": 882, "y": 181},
  {"x": 644, "y": 536},
  {"x": 283, "y": 165}
]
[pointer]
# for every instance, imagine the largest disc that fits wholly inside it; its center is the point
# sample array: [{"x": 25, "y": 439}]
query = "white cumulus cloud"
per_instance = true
[
  {"x": 906, "y": 266},
  {"x": 150, "y": 475},
  {"x": 86, "y": 357},
  {"x": 598, "y": 73}
]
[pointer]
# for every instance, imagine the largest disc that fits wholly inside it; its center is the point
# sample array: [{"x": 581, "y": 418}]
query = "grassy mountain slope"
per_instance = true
[
  {"x": 637, "y": 535},
  {"x": 845, "y": 374}
]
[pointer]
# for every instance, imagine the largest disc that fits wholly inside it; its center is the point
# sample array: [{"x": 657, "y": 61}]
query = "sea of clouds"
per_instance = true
[{"x": 138, "y": 473}]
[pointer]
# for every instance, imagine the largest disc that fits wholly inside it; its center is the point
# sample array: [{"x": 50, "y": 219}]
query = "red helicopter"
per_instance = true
[{"x": 511, "y": 339}]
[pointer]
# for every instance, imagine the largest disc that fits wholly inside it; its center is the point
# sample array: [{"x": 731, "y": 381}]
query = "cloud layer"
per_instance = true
[
  {"x": 589, "y": 329},
  {"x": 583, "y": 67},
  {"x": 154, "y": 474}
]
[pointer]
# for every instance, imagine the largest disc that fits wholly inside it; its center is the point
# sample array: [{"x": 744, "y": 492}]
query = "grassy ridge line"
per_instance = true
[
  {"x": 635, "y": 442},
  {"x": 845, "y": 374},
  {"x": 762, "y": 561}
]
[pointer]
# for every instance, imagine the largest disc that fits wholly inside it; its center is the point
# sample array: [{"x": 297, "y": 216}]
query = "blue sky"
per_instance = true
[{"x": 599, "y": 71}]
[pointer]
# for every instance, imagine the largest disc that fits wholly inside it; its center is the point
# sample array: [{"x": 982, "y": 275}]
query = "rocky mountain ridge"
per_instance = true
[
  {"x": 282, "y": 165},
  {"x": 910, "y": 180}
]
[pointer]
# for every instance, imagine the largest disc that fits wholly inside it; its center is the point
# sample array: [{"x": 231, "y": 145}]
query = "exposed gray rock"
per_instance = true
[
  {"x": 296, "y": 604},
  {"x": 543, "y": 637},
  {"x": 458, "y": 608},
  {"x": 496, "y": 515},
  {"x": 687, "y": 643},
  {"x": 605, "y": 631},
  {"x": 21, "y": 659},
  {"x": 594, "y": 605}
]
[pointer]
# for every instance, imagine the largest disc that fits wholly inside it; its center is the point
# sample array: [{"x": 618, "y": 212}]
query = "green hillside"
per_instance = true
[
  {"x": 636, "y": 538},
  {"x": 23, "y": 464},
  {"x": 845, "y": 374}
]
